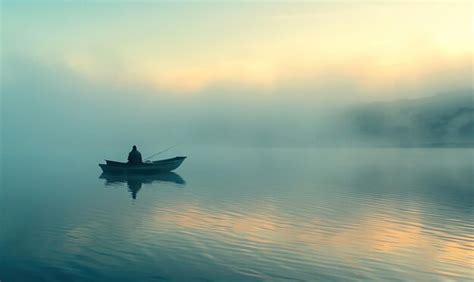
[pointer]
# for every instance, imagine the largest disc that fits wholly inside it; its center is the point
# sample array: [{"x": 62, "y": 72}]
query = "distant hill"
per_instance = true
[{"x": 445, "y": 120}]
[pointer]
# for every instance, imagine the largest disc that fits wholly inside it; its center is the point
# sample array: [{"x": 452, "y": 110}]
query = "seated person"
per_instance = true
[{"x": 134, "y": 157}]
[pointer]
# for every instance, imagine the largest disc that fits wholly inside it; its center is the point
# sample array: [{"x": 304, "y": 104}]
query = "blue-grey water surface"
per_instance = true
[{"x": 241, "y": 215}]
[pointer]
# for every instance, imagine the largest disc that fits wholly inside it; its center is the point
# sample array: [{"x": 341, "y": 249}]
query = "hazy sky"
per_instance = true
[
  {"x": 371, "y": 48},
  {"x": 102, "y": 74}
]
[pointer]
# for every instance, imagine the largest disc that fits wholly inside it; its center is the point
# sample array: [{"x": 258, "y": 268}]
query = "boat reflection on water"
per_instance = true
[{"x": 135, "y": 181}]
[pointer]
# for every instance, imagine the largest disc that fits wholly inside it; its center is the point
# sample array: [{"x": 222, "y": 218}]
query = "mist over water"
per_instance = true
[
  {"x": 311, "y": 154},
  {"x": 272, "y": 189},
  {"x": 53, "y": 106}
]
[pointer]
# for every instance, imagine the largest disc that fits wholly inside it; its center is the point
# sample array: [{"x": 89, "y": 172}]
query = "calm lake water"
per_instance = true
[{"x": 241, "y": 214}]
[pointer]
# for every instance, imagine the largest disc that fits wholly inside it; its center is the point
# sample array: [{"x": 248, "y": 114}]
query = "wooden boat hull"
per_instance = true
[{"x": 148, "y": 167}]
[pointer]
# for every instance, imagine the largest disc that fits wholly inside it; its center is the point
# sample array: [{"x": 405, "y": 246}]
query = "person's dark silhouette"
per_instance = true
[{"x": 134, "y": 157}]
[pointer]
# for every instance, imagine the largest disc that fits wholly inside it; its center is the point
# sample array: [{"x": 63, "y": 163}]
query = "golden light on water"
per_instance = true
[{"x": 390, "y": 235}]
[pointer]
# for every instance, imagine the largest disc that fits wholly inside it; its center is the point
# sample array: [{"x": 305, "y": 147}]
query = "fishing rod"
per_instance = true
[{"x": 161, "y": 152}]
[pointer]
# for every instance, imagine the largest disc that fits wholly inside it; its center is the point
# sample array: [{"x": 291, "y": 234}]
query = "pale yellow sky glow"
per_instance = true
[{"x": 191, "y": 47}]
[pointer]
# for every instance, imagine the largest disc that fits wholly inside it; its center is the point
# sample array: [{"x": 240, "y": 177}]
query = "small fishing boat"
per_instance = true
[{"x": 146, "y": 167}]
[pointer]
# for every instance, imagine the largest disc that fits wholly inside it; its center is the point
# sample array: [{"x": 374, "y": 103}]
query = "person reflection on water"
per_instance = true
[{"x": 134, "y": 157}]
